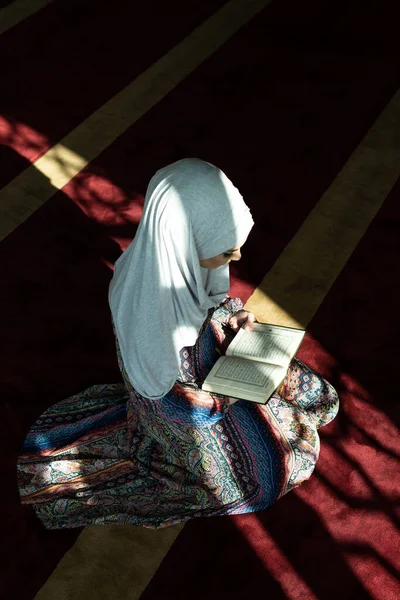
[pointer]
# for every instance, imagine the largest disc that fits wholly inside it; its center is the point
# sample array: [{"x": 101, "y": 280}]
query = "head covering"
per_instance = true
[{"x": 159, "y": 295}]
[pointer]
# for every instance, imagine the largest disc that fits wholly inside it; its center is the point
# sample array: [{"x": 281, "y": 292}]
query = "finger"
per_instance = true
[
  {"x": 249, "y": 323},
  {"x": 233, "y": 323}
]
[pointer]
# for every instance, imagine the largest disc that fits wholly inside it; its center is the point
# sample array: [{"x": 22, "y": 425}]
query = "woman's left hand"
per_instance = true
[{"x": 242, "y": 317}]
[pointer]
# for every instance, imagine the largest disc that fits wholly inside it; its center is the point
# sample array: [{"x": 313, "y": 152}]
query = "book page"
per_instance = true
[
  {"x": 271, "y": 343},
  {"x": 245, "y": 374}
]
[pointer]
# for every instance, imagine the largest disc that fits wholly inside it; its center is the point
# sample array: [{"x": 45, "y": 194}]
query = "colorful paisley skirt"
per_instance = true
[{"x": 108, "y": 455}]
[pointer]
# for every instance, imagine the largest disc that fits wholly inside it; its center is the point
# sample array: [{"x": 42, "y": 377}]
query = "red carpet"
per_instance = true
[{"x": 279, "y": 108}]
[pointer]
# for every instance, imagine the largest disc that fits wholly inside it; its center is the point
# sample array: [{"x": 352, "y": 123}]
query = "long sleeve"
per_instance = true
[
  {"x": 194, "y": 404},
  {"x": 186, "y": 403}
]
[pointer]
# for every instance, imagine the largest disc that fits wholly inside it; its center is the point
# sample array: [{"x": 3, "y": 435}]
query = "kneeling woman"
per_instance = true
[{"x": 157, "y": 449}]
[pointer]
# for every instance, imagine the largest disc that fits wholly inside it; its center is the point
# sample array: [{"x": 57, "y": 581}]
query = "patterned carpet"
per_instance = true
[{"x": 284, "y": 98}]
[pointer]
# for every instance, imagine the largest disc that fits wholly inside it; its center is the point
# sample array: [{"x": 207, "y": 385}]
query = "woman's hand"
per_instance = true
[{"x": 242, "y": 317}]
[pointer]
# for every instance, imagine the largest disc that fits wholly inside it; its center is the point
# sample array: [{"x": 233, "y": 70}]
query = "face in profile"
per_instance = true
[{"x": 222, "y": 259}]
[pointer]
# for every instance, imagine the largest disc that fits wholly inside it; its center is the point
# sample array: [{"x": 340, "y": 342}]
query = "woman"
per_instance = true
[{"x": 157, "y": 450}]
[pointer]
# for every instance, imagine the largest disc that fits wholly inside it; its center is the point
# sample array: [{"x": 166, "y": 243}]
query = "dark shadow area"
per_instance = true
[
  {"x": 213, "y": 560},
  {"x": 4, "y": 3}
]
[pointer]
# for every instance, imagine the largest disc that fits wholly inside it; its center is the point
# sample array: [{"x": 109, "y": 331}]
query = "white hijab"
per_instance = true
[{"x": 159, "y": 294}]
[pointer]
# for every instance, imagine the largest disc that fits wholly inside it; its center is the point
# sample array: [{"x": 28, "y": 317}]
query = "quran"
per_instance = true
[{"x": 255, "y": 363}]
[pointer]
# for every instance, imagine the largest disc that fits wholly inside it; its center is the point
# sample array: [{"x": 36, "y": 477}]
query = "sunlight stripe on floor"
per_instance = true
[
  {"x": 27, "y": 192},
  {"x": 18, "y": 11},
  {"x": 93, "y": 570},
  {"x": 295, "y": 287}
]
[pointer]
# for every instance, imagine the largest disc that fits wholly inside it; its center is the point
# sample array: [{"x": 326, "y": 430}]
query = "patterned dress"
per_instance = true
[{"x": 109, "y": 455}]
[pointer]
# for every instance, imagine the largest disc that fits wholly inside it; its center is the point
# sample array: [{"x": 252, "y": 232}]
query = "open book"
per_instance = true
[{"x": 255, "y": 363}]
